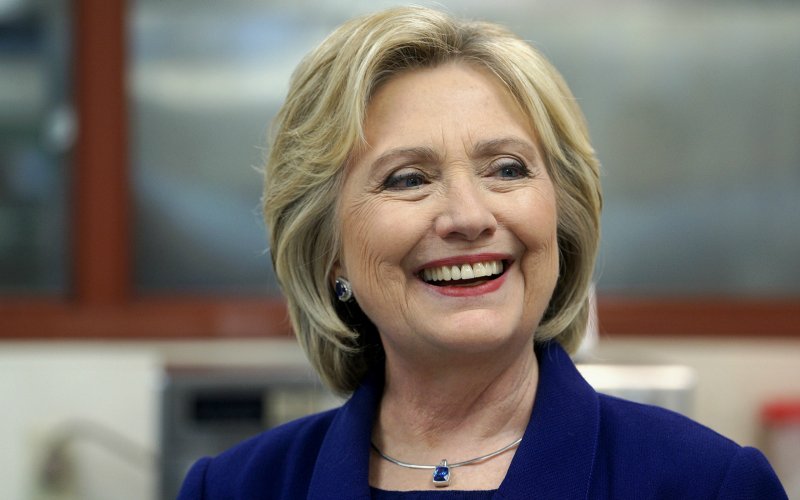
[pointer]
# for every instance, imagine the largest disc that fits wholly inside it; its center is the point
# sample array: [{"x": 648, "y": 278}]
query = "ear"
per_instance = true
[{"x": 338, "y": 270}]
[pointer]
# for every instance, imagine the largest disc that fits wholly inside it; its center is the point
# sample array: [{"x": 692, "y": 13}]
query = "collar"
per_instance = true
[{"x": 554, "y": 459}]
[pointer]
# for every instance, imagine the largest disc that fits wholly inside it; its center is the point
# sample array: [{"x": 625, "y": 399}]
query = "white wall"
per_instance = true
[
  {"x": 45, "y": 387},
  {"x": 74, "y": 395},
  {"x": 100, "y": 400}
]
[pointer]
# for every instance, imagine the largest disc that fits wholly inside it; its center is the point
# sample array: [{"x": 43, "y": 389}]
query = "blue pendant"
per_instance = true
[{"x": 441, "y": 474}]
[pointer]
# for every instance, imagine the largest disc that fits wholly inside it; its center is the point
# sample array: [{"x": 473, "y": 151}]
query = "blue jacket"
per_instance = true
[{"x": 578, "y": 445}]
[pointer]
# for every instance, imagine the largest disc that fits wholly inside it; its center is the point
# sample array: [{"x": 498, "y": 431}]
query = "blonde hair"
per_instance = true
[{"x": 321, "y": 124}]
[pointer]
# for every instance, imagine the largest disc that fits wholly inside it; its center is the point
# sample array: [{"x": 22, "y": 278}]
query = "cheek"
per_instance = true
[
  {"x": 541, "y": 252},
  {"x": 538, "y": 233},
  {"x": 375, "y": 241},
  {"x": 372, "y": 245}
]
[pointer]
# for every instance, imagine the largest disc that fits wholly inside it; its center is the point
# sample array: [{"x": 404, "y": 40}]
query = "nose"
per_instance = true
[{"x": 466, "y": 212}]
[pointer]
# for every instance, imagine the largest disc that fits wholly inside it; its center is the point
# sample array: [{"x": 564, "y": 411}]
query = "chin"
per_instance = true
[{"x": 481, "y": 337}]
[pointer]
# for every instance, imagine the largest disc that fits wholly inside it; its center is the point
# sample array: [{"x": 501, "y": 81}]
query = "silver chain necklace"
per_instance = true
[{"x": 441, "y": 472}]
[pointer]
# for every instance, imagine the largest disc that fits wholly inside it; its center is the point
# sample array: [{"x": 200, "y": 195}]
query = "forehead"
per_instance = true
[{"x": 446, "y": 100}]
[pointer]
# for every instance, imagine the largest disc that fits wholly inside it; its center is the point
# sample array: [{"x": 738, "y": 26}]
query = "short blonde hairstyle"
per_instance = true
[{"x": 321, "y": 125}]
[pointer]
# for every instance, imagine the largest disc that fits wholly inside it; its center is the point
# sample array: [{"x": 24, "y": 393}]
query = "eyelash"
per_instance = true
[
  {"x": 395, "y": 181},
  {"x": 511, "y": 163}
]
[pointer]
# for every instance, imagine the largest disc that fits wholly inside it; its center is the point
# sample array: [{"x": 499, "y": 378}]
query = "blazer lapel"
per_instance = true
[
  {"x": 343, "y": 461},
  {"x": 556, "y": 456}
]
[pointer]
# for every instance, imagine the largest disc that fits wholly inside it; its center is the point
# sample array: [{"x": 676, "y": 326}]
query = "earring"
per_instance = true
[{"x": 344, "y": 292}]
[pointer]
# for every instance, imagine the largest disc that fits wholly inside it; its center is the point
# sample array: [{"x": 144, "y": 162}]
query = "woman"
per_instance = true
[{"x": 434, "y": 207}]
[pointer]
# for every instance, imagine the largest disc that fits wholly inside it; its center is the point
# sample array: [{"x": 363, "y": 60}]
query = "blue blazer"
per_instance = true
[{"x": 578, "y": 445}]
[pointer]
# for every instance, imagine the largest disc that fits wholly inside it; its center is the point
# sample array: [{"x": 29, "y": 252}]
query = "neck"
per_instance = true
[{"x": 455, "y": 408}]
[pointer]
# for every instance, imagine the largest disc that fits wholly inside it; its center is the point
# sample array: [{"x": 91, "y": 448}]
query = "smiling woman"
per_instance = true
[
  {"x": 327, "y": 105},
  {"x": 451, "y": 177},
  {"x": 434, "y": 207}
]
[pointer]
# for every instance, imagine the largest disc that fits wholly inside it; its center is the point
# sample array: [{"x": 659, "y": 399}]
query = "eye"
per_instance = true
[
  {"x": 405, "y": 180},
  {"x": 511, "y": 169}
]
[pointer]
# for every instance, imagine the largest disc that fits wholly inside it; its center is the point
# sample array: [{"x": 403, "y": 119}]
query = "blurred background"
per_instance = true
[{"x": 140, "y": 323}]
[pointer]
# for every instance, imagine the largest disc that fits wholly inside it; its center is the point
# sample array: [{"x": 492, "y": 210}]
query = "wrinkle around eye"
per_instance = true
[
  {"x": 405, "y": 181},
  {"x": 518, "y": 171}
]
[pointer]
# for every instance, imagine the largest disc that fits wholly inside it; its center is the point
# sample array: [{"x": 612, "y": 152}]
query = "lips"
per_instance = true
[
  {"x": 455, "y": 274},
  {"x": 462, "y": 282}
]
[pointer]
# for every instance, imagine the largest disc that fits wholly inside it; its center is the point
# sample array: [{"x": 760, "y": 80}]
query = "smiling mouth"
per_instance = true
[{"x": 464, "y": 274}]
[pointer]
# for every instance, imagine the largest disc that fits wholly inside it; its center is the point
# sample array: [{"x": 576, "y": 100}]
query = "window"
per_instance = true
[
  {"x": 693, "y": 110},
  {"x": 36, "y": 135}
]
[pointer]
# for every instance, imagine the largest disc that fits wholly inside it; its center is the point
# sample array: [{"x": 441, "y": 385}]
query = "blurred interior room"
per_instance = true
[{"x": 141, "y": 325}]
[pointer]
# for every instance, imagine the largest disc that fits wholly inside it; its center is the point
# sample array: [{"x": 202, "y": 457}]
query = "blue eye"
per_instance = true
[
  {"x": 512, "y": 170},
  {"x": 406, "y": 180}
]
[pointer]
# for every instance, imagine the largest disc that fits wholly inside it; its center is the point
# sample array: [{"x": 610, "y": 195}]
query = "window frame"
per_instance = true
[{"x": 103, "y": 304}]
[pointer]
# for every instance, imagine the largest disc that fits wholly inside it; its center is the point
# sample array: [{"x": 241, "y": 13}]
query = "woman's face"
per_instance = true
[{"x": 448, "y": 217}]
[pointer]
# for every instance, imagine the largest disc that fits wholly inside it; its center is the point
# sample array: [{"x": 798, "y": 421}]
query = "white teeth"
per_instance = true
[{"x": 463, "y": 272}]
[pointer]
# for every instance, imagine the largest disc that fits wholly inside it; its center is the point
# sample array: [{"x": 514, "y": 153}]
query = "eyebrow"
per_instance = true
[
  {"x": 494, "y": 146},
  {"x": 482, "y": 149},
  {"x": 420, "y": 153}
]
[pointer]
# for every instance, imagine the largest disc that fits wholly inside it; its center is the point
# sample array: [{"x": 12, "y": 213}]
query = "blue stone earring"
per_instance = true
[{"x": 344, "y": 292}]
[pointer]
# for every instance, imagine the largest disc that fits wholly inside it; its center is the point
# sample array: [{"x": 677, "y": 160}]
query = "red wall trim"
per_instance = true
[
  {"x": 197, "y": 318},
  {"x": 189, "y": 318},
  {"x": 702, "y": 316}
]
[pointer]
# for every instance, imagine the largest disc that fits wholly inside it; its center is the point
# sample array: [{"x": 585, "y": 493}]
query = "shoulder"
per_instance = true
[
  {"x": 639, "y": 426},
  {"x": 266, "y": 462},
  {"x": 653, "y": 449}
]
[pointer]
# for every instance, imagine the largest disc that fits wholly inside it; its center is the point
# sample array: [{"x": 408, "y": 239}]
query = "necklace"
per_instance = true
[{"x": 441, "y": 472}]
